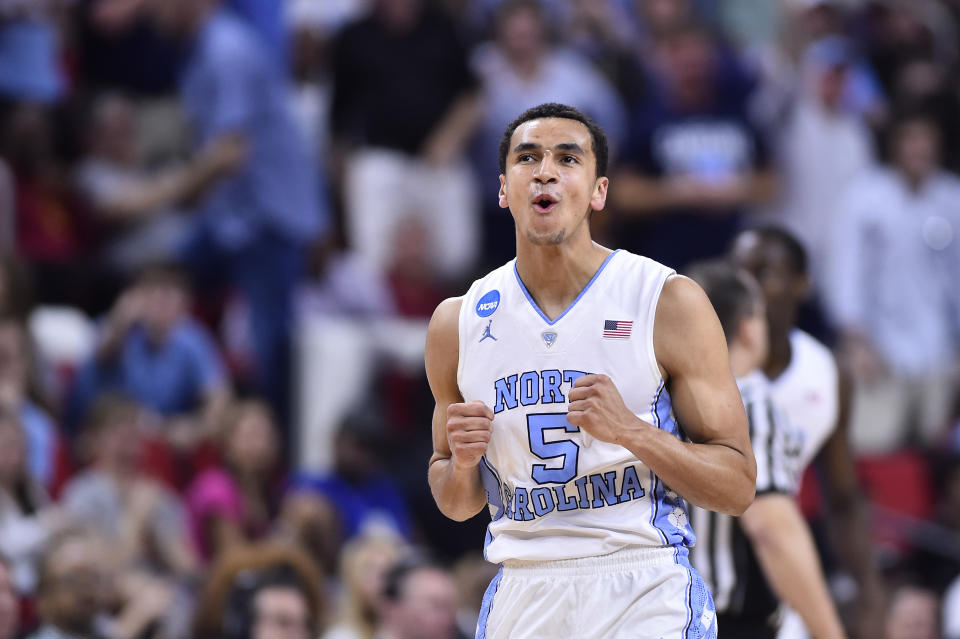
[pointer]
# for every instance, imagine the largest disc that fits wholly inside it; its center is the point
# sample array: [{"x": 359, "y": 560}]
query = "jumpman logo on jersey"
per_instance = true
[{"x": 487, "y": 333}]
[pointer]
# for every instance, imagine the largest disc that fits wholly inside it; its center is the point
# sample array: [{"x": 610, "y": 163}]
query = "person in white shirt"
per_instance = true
[
  {"x": 892, "y": 290},
  {"x": 767, "y": 555},
  {"x": 814, "y": 394},
  {"x": 823, "y": 146}
]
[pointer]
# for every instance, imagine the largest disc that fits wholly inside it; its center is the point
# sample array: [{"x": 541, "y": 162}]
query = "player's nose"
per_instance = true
[{"x": 546, "y": 170}]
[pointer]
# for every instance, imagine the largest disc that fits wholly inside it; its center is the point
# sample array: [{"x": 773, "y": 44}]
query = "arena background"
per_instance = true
[{"x": 224, "y": 225}]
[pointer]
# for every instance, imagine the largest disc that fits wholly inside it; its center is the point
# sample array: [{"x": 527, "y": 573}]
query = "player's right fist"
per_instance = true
[{"x": 469, "y": 426}]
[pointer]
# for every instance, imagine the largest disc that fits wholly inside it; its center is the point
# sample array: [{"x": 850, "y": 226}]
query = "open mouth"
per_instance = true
[{"x": 544, "y": 203}]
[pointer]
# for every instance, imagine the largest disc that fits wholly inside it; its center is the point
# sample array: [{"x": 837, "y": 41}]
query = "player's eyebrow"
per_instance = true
[
  {"x": 563, "y": 146},
  {"x": 526, "y": 146},
  {"x": 569, "y": 146}
]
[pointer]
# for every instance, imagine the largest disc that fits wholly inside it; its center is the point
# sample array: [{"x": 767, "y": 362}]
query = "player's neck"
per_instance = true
[
  {"x": 555, "y": 275},
  {"x": 779, "y": 355}
]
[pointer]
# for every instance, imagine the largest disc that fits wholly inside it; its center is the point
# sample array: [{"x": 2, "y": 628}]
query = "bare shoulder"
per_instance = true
[
  {"x": 686, "y": 329},
  {"x": 443, "y": 343}
]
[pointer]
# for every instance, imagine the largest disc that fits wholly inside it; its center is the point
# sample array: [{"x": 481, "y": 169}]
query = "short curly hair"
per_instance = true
[{"x": 556, "y": 110}]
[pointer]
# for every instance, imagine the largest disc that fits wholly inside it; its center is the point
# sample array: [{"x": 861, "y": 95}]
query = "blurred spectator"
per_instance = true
[
  {"x": 264, "y": 591},
  {"x": 254, "y": 225},
  {"x": 892, "y": 290},
  {"x": 9, "y": 613},
  {"x": 30, "y": 50},
  {"x": 782, "y": 64},
  {"x": 951, "y": 611},
  {"x": 52, "y": 231},
  {"x": 18, "y": 394},
  {"x": 365, "y": 497},
  {"x": 136, "y": 206},
  {"x": 605, "y": 33},
  {"x": 266, "y": 17},
  {"x": 416, "y": 285},
  {"x": 70, "y": 595},
  {"x": 342, "y": 283},
  {"x": 363, "y": 571},
  {"x": 923, "y": 84},
  {"x": 899, "y": 31},
  {"x": 237, "y": 502},
  {"x": 8, "y": 209},
  {"x": 404, "y": 106},
  {"x": 144, "y": 524},
  {"x": 152, "y": 351},
  {"x": 327, "y": 16},
  {"x": 473, "y": 574},
  {"x": 693, "y": 163},
  {"x": 16, "y": 291},
  {"x": 118, "y": 48},
  {"x": 25, "y": 521},
  {"x": 659, "y": 18},
  {"x": 311, "y": 522},
  {"x": 419, "y": 602},
  {"x": 821, "y": 148},
  {"x": 520, "y": 69},
  {"x": 913, "y": 613},
  {"x": 81, "y": 596}
]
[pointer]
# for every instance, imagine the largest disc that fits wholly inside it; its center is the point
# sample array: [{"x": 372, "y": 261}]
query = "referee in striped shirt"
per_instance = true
[{"x": 766, "y": 556}]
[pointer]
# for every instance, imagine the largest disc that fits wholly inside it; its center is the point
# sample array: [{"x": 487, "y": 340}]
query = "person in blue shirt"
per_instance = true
[
  {"x": 365, "y": 498},
  {"x": 253, "y": 226},
  {"x": 153, "y": 352},
  {"x": 693, "y": 165}
]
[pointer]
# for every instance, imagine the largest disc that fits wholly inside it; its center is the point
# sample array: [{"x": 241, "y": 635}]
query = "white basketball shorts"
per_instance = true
[{"x": 643, "y": 593}]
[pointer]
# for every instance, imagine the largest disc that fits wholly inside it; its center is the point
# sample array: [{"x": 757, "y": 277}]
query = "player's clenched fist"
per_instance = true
[
  {"x": 597, "y": 407},
  {"x": 469, "y": 426}
]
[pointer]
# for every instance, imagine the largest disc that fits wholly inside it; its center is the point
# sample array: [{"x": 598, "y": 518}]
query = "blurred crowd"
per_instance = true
[{"x": 184, "y": 184}]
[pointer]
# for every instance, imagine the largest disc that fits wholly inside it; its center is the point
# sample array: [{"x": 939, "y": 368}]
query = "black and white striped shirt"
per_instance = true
[{"x": 723, "y": 554}]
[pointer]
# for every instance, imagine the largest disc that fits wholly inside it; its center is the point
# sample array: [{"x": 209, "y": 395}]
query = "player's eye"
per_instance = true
[
  {"x": 525, "y": 157},
  {"x": 568, "y": 159}
]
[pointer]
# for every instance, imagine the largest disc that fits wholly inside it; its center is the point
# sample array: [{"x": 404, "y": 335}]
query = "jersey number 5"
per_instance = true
[{"x": 537, "y": 425}]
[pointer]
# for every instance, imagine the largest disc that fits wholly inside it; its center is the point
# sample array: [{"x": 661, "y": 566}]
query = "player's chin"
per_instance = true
[{"x": 546, "y": 237}]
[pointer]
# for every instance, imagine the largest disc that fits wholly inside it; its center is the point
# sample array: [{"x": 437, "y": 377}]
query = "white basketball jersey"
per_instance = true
[
  {"x": 553, "y": 491},
  {"x": 807, "y": 392}
]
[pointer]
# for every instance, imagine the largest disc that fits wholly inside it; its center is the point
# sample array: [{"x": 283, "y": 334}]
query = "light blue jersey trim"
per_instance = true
[
  {"x": 662, "y": 505},
  {"x": 490, "y": 479},
  {"x": 530, "y": 299},
  {"x": 487, "y": 605},
  {"x": 654, "y": 480}
]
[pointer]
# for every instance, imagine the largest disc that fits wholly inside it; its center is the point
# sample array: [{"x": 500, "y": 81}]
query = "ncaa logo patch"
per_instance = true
[
  {"x": 488, "y": 303},
  {"x": 549, "y": 338}
]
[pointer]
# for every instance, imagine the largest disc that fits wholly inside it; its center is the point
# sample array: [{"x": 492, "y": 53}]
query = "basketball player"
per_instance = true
[
  {"x": 807, "y": 385},
  {"x": 767, "y": 555},
  {"x": 604, "y": 402}
]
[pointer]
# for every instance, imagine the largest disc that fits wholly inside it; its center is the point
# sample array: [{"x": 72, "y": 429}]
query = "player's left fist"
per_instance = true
[{"x": 597, "y": 408}]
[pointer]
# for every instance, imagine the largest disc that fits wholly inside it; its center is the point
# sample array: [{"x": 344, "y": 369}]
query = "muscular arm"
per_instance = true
[
  {"x": 716, "y": 470},
  {"x": 454, "y": 479},
  {"x": 786, "y": 552}
]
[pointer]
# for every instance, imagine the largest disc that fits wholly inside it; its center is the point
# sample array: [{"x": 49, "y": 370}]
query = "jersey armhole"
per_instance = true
[
  {"x": 651, "y": 321},
  {"x": 461, "y": 330}
]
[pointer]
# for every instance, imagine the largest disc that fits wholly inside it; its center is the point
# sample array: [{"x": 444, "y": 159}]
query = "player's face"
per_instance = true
[
  {"x": 783, "y": 289},
  {"x": 550, "y": 184}
]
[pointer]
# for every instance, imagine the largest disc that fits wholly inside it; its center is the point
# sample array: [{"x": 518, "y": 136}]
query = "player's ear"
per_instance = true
[
  {"x": 502, "y": 195},
  {"x": 599, "y": 198}
]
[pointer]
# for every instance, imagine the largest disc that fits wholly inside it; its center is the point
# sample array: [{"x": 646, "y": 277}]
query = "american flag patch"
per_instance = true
[{"x": 617, "y": 329}]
